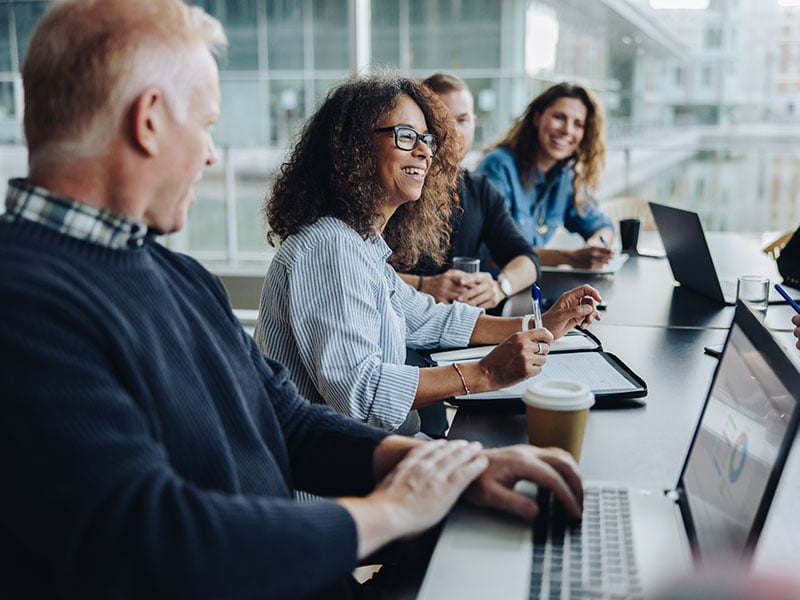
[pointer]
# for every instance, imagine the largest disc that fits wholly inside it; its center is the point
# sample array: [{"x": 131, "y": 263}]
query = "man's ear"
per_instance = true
[{"x": 148, "y": 120}]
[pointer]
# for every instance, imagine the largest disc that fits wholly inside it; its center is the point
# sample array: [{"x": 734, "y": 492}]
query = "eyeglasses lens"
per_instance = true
[
  {"x": 406, "y": 139},
  {"x": 430, "y": 141}
]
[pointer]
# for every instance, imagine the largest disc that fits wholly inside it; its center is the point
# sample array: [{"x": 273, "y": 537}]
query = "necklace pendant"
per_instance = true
[{"x": 542, "y": 229}]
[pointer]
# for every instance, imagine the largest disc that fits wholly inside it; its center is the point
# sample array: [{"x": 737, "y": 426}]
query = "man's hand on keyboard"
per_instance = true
[
  {"x": 417, "y": 493},
  {"x": 552, "y": 468}
]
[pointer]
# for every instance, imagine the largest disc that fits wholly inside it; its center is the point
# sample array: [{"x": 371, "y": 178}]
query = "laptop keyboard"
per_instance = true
[{"x": 593, "y": 558}]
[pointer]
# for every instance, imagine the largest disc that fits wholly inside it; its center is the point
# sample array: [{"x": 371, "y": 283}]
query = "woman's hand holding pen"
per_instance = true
[
  {"x": 575, "y": 307},
  {"x": 596, "y": 253},
  {"x": 590, "y": 256},
  {"x": 522, "y": 354},
  {"x": 518, "y": 357}
]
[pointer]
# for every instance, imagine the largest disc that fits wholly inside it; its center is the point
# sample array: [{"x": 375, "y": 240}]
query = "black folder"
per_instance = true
[{"x": 578, "y": 356}]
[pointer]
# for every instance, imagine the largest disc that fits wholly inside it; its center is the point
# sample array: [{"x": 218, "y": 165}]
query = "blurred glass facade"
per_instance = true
[
  {"x": 285, "y": 55},
  {"x": 675, "y": 85}
]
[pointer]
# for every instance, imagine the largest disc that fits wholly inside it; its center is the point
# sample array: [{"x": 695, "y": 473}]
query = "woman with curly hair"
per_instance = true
[
  {"x": 548, "y": 166},
  {"x": 375, "y": 163}
]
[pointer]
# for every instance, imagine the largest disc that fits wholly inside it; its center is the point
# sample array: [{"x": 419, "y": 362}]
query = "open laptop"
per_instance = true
[
  {"x": 690, "y": 258},
  {"x": 715, "y": 512}
]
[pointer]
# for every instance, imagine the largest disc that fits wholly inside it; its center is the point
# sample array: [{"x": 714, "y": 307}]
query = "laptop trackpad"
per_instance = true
[
  {"x": 481, "y": 553},
  {"x": 660, "y": 541}
]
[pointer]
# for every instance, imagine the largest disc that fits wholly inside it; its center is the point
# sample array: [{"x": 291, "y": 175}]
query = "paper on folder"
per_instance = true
[
  {"x": 577, "y": 356},
  {"x": 589, "y": 368},
  {"x": 573, "y": 340}
]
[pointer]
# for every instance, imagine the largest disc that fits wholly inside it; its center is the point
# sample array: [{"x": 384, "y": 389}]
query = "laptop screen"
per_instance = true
[{"x": 741, "y": 441}]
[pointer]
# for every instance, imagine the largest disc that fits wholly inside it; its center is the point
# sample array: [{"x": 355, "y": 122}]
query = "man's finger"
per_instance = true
[{"x": 511, "y": 501}]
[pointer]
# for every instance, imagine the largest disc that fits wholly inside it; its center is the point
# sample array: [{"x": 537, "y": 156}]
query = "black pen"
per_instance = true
[{"x": 788, "y": 298}]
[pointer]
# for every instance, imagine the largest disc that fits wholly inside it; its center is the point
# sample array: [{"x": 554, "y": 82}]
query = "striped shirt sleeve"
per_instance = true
[
  {"x": 430, "y": 324},
  {"x": 351, "y": 346},
  {"x": 340, "y": 318}
]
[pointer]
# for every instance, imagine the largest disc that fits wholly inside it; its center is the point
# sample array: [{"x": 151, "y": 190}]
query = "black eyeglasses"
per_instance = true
[{"x": 405, "y": 138}]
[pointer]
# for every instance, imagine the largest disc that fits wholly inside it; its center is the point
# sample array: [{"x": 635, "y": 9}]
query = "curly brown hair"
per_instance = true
[
  {"x": 522, "y": 140},
  {"x": 332, "y": 171}
]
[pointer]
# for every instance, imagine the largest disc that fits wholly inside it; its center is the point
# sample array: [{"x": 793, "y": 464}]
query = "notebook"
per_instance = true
[
  {"x": 577, "y": 356},
  {"x": 716, "y": 510},
  {"x": 690, "y": 258}
]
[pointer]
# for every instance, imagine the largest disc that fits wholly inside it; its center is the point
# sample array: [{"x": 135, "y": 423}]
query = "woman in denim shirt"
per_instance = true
[{"x": 547, "y": 167}]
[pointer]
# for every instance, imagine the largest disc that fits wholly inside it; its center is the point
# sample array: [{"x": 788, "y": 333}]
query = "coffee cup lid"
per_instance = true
[{"x": 553, "y": 394}]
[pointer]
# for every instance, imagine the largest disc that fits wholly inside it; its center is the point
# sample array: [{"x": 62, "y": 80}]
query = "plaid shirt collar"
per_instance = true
[{"x": 25, "y": 201}]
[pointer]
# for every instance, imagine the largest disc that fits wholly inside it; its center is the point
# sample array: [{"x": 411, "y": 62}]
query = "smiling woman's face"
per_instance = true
[
  {"x": 561, "y": 129},
  {"x": 401, "y": 172}
]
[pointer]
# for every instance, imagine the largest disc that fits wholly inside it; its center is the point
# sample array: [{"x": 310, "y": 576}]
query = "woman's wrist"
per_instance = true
[
  {"x": 476, "y": 377},
  {"x": 467, "y": 391},
  {"x": 569, "y": 257}
]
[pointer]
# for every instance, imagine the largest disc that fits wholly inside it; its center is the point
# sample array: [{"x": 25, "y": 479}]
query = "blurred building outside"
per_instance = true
[{"x": 702, "y": 105}]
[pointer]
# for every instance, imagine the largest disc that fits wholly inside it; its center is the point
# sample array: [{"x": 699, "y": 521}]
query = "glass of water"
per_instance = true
[
  {"x": 468, "y": 264},
  {"x": 753, "y": 290}
]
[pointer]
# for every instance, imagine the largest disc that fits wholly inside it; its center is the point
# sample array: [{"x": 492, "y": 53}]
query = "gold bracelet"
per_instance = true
[
  {"x": 419, "y": 283},
  {"x": 461, "y": 376}
]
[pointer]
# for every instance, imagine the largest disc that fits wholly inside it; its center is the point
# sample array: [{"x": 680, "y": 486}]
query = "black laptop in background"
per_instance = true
[{"x": 690, "y": 258}]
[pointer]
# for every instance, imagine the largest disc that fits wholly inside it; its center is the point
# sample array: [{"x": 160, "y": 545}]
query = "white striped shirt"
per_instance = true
[{"x": 338, "y": 316}]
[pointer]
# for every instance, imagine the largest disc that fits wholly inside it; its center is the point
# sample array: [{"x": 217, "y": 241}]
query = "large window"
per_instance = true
[
  {"x": 242, "y": 122},
  {"x": 25, "y": 15},
  {"x": 285, "y": 34},
  {"x": 713, "y": 37},
  {"x": 285, "y": 54},
  {"x": 655, "y": 72},
  {"x": 287, "y": 109},
  {"x": 9, "y": 128},
  {"x": 5, "y": 40},
  {"x": 241, "y": 20},
  {"x": 459, "y": 34},
  {"x": 331, "y": 37},
  {"x": 387, "y": 28}
]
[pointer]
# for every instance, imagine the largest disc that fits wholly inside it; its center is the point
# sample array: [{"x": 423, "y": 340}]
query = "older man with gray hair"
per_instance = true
[{"x": 148, "y": 448}]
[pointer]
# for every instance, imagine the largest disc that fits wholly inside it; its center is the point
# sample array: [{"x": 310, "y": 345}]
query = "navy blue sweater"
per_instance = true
[{"x": 147, "y": 448}]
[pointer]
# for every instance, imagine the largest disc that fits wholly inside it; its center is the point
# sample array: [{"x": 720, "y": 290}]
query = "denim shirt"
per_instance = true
[{"x": 550, "y": 203}]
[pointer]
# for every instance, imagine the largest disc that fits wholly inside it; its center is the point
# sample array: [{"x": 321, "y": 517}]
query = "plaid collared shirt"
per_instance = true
[{"x": 78, "y": 220}]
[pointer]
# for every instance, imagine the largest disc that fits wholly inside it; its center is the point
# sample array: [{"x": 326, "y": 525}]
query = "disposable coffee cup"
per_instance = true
[
  {"x": 629, "y": 234},
  {"x": 557, "y": 412}
]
